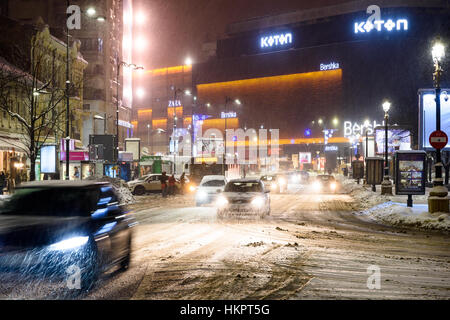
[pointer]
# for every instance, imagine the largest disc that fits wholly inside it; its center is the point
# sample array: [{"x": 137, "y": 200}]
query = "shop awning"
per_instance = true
[{"x": 8, "y": 143}]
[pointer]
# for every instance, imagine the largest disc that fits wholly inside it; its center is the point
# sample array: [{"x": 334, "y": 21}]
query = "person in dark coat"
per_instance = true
[
  {"x": 182, "y": 182},
  {"x": 172, "y": 185},
  {"x": 2, "y": 181},
  {"x": 164, "y": 187}
]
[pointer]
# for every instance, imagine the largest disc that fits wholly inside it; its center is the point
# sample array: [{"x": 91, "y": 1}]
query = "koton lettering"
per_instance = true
[
  {"x": 276, "y": 40},
  {"x": 374, "y": 22}
]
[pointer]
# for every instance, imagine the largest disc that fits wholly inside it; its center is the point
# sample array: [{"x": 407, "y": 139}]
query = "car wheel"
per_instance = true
[
  {"x": 139, "y": 190},
  {"x": 125, "y": 264}
]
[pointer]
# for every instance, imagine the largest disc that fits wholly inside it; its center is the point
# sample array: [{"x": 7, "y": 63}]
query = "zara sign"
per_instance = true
[
  {"x": 374, "y": 22},
  {"x": 276, "y": 40}
]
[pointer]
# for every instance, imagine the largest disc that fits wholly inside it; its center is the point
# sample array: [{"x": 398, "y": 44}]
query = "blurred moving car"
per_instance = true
[
  {"x": 50, "y": 227},
  {"x": 152, "y": 183},
  {"x": 209, "y": 188},
  {"x": 298, "y": 177},
  {"x": 275, "y": 183},
  {"x": 325, "y": 183},
  {"x": 244, "y": 196}
]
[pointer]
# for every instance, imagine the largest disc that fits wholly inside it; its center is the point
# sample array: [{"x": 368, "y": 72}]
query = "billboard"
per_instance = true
[
  {"x": 304, "y": 157},
  {"x": 427, "y": 115},
  {"x": 411, "y": 172},
  {"x": 398, "y": 139},
  {"x": 48, "y": 159}
]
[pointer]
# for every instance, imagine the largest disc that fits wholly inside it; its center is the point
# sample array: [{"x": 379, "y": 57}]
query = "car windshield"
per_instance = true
[
  {"x": 243, "y": 187},
  {"x": 213, "y": 183},
  {"x": 61, "y": 202}
]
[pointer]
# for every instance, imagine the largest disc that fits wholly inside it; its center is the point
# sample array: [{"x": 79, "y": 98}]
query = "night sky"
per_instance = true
[{"x": 176, "y": 29}]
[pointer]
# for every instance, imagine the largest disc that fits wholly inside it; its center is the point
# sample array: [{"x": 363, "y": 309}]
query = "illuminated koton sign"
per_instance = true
[
  {"x": 354, "y": 128},
  {"x": 231, "y": 114},
  {"x": 374, "y": 22},
  {"x": 329, "y": 66},
  {"x": 276, "y": 40}
]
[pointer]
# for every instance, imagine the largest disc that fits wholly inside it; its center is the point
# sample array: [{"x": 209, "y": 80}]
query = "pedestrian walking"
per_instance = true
[
  {"x": 164, "y": 187},
  {"x": 172, "y": 185},
  {"x": 2, "y": 181},
  {"x": 182, "y": 182}
]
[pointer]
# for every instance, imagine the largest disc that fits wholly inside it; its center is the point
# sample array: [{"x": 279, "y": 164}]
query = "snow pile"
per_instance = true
[
  {"x": 121, "y": 188},
  {"x": 399, "y": 215}
]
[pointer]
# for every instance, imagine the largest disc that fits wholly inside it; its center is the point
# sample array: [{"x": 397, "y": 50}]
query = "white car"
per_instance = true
[
  {"x": 244, "y": 196},
  {"x": 208, "y": 190}
]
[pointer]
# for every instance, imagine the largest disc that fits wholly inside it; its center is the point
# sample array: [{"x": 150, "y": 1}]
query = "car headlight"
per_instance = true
[
  {"x": 191, "y": 188},
  {"x": 273, "y": 186},
  {"x": 70, "y": 243},
  {"x": 333, "y": 186},
  {"x": 317, "y": 186},
  {"x": 258, "y": 202},
  {"x": 221, "y": 201},
  {"x": 282, "y": 181},
  {"x": 202, "y": 195}
]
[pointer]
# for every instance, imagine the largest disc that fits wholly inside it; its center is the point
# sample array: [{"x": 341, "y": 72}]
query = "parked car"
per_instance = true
[
  {"x": 48, "y": 227},
  {"x": 275, "y": 183},
  {"x": 325, "y": 183},
  {"x": 152, "y": 183},
  {"x": 208, "y": 190},
  {"x": 244, "y": 196}
]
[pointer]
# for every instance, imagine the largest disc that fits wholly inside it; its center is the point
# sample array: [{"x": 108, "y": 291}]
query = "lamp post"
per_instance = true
[
  {"x": 386, "y": 185},
  {"x": 438, "y": 201},
  {"x": 128, "y": 65},
  {"x": 238, "y": 102}
]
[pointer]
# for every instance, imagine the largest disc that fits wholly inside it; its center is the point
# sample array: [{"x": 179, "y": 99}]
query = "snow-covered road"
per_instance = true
[{"x": 312, "y": 246}]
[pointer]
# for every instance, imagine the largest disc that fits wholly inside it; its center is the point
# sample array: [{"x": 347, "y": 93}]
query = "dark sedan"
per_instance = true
[
  {"x": 55, "y": 228},
  {"x": 325, "y": 183}
]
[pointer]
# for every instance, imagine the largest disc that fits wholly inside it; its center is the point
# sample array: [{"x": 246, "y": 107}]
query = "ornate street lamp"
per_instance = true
[
  {"x": 386, "y": 185},
  {"x": 438, "y": 201}
]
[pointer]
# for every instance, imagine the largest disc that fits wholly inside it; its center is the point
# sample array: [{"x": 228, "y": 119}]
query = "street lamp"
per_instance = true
[
  {"x": 227, "y": 100},
  {"x": 386, "y": 185},
  {"x": 437, "y": 201},
  {"x": 128, "y": 65}
]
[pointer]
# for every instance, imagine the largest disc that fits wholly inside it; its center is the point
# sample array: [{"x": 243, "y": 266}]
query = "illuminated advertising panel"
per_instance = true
[
  {"x": 427, "y": 115},
  {"x": 398, "y": 139},
  {"x": 304, "y": 157},
  {"x": 48, "y": 159}
]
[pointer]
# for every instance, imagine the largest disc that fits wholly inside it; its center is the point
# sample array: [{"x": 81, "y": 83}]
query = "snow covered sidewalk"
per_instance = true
[{"x": 393, "y": 210}]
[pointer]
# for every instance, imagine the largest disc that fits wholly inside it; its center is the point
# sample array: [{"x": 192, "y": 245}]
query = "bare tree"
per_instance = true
[{"x": 35, "y": 98}]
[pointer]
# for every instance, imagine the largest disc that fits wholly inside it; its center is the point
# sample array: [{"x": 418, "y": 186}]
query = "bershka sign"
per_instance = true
[
  {"x": 329, "y": 66},
  {"x": 354, "y": 128},
  {"x": 276, "y": 40},
  {"x": 376, "y": 24}
]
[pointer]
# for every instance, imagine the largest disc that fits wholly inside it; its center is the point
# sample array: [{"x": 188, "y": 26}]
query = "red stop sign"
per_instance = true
[{"x": 438, "y": 139}]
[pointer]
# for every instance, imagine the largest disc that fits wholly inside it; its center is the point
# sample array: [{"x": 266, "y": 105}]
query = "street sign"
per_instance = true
[{"x": 438, "y": 139}]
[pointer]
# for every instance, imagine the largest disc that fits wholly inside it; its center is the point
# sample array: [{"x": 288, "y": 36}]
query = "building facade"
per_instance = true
[
  {"x": 33, "y": 104},
  {"x": 291, "y": 70},
  {"x": 101, "y": 45}
]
